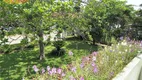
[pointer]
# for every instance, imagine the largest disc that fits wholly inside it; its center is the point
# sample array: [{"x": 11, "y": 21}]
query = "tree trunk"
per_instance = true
[
  {"x": 41, "y": 45},
  {"x": 94, "y": 41}
]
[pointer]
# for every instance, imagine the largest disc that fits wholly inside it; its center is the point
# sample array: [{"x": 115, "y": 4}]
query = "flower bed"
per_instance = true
[
  {"x": 132, "y": 71},
  {"x": 101, "y": 65}
]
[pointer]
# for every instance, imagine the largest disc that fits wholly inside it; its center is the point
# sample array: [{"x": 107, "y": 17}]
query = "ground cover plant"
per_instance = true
[{"x": 101, "y": 65}]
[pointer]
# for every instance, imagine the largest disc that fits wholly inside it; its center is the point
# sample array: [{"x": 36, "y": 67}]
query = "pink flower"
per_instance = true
[
  {"x": 48, "y": 68},
  {"x": 94, "y": 53},
  {"x": 95, "y": 70},
  {"x": 59, "y": 71},
  {"x": 53, "y": 70},
  {"x": 93, "y": 64},
  {"x": 81, "y": 78},
  {"x": 70, "y": 53},
  {"x": 43, "y": 70},
  {"x": 50, "y": 73},
  {"x": 73, "y": 69},
  {"x": 72, "y": 78},
  {"x": 85, "y": 59},
  {"x": 63, "y": 74},
  {"x": 35, "y": 68}
]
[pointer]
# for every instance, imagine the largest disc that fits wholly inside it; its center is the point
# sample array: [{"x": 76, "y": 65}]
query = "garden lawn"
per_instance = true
[{"x": 17, "y": 64}]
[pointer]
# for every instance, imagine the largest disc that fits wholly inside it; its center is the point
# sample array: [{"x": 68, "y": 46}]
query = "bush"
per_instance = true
[
  {"x": 58, "y": 44},
  {"x": 56, "y": 52}
]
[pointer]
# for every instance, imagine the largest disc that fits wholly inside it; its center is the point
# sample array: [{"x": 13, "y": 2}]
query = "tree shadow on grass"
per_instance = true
[
  {"x": 16, "y": 65},
  {"x": 81, "y": 45},
  {"x": 19, "y": 63}
]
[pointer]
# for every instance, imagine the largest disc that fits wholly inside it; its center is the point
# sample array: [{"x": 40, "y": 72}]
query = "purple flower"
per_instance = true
[
  {"x": 70, "y": 53},
  {"x": 93, "y": 64},
  {"x": 95, "y": 70},
  {"x": 43, "y": 70},
  {"x": 72, "y": 78},
  {"x": 35, "y": 68},
  {"x": 48, "y": 68},
  {"x": 59, "y": 71},
  {"x": 111, "y": 73},
  {"x": 73, "y": 69},
  {"x": 94, "y": 53},
  {"x": 63, "y": 74},
  {"x": 81, "y": 78},
  {"x": 53, "y": 70},
  {"x": 121, "y": 38},
  {"x": 82, "y": 65},
  {"x": 50, "y": 73}
]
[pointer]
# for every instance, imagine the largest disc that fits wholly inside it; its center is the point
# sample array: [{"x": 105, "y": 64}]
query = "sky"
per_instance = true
[{"x": 134, "y": 2}]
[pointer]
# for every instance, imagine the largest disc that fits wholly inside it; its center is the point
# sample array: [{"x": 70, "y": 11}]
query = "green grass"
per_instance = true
[{"x": 18, "y": 63}]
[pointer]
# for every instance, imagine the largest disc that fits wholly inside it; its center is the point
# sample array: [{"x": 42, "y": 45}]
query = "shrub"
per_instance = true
[
  {"x": 58, "y": 51},
  {"x": 58, "y": 44}
]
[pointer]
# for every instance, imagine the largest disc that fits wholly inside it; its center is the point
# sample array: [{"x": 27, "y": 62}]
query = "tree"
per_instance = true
[
  {"x": 9, "y": 17},
  {"x": 35, "y": 16},
  {"x": 137, "y": 25},
  {"x": 106, "y": 16},
  {"x": 41, "y": 15}
]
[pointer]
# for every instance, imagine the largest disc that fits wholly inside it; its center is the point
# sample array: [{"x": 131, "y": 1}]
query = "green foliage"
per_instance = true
[
  {"x": 24, "y": 40},
  {"x": 104, "y": 17},
  {"x": 136, "y": 29},
  {"x": 58, "y": 44},
  {"x": 58, "y": 51}
]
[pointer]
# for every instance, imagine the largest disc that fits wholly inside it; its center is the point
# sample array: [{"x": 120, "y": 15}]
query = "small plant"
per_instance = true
[
  {"x": 58, "y": 44},
  {"x": 58, "y": 51}
]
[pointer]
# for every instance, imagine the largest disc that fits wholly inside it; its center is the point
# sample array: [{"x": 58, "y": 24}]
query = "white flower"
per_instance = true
[
  {"x": 130, "y": 45},
  {"x": 118, "y": 44},
  {"x": 120, "y": 52},
  {"x": 116, "y": 61},
  {"x": 93, "y": 58},
  {"x": 126, "y": 50},
  {"x": 124, "y": 43}
]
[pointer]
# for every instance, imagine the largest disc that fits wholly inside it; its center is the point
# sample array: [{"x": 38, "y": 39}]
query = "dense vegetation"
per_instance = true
[{"x": 89, "y": 26}]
